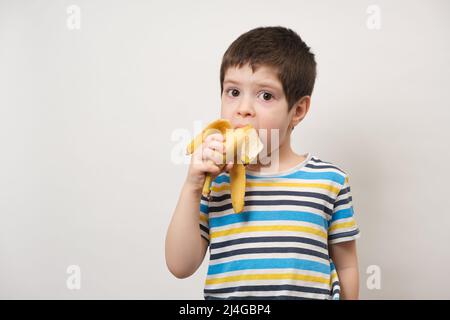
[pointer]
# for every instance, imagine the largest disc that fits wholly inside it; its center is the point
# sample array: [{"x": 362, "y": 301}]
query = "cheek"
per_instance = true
[
  {"x": 226, "y": 109},
  {"x": 275, "y": 134},
  {"x": 225, "y": 112},
  {"x": 272, "y": 122}
]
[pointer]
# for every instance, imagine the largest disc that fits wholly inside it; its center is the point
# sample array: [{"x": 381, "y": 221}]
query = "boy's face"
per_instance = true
[{"x": 257, "y": 99}]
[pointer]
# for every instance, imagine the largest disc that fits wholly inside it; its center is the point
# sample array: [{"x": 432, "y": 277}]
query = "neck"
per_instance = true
[{"x": 286, "y": 159}]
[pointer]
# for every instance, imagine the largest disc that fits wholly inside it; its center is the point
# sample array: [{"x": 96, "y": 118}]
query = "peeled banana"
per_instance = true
[{"x": 242, "y": 146}]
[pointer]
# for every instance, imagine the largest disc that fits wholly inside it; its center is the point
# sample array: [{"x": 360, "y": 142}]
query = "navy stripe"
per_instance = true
[
  {"x": 335, "y": 291},
  {"x": 223, "y": 197},
  {"x": 204, "y": 237},
  {"x": 275, "y": 203},
  {"x": 223, "y": 208},
  {"x": 269, "y": 288},
  {"x": 343, "y": 191},
  {"x": 313, "y": 242},
  {"x": 343, "y": 234},
  {"x": 277, "y": 193},
  {"x": 269, "y": 250},
  {"x": 260, "y": 298},
  {"x": 204, "y": 228},
  {"x": 341, "y": 202},
  {"x": 313, "y": 166}
]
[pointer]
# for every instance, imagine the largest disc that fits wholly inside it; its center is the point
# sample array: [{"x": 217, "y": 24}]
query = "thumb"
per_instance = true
[{"x": 229, "y": 166}]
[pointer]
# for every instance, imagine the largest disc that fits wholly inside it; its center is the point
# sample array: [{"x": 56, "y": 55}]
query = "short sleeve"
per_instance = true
[
  {"x": 342, "y": 225},
  {"x": 203, "y": 218}
]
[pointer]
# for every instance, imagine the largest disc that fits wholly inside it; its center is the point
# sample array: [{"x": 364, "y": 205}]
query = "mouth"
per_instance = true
[{"x": 242, "y": 125}]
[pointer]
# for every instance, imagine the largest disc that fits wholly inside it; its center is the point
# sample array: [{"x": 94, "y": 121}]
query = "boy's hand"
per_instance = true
[{"x": 208, "y": 158}]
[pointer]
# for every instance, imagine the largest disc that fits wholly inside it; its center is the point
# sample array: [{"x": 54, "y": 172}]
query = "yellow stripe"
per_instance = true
[
  {"x": 341, "y": 226},
  {"x": 203, "y": 217},
  {"x": 222, "y": 187},
  {"x": 274, "y": 276},
  {"x": 226, "y": 186},
  {"x": 268, "y": 228}
]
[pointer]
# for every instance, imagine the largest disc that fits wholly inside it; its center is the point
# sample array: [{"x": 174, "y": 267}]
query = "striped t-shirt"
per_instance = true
[{"x": 277, "y": 247}]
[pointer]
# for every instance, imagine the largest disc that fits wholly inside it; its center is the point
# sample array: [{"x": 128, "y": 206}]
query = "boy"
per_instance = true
[{"x": 295, "y": 237}]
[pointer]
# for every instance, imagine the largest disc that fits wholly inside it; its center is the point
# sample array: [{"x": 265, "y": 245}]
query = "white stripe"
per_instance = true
[
  {"x": 343, "y": 206},
  {"x": 349, "y": 219},
  {"x": 343, "y": 196},
  {"x": 204, "y": 224},
  {"x": 271, "y": 293},
  {"x": 325, "y": 163},
  {"x": 204, "y": 234}
]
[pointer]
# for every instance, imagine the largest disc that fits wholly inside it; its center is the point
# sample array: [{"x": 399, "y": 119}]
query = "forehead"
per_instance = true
[{"x": 263, "y": 75}]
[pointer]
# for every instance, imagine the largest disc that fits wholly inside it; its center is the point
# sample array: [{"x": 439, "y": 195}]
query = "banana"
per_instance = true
[
  {"x": 221, "y": 125},
  {"x": 242, "y": 145}
]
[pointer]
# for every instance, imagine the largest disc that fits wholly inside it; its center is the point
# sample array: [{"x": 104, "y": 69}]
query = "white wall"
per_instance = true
[{"x": 86, "y": 118}]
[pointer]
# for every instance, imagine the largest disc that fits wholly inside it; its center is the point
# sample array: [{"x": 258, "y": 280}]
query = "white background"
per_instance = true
[{"x": 87, "y": 176}]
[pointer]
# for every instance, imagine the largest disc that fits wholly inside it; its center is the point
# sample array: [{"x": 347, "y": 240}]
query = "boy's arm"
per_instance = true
[
  {"x": 185, "y": 245},
  {"x": 345, "y": 259},
  {"x": 185, "y": 249}
]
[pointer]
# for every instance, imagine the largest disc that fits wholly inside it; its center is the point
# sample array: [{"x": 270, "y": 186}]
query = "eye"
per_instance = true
[
  {"x": 266, "y": 95},
  {"x": 234, "y": 92}
]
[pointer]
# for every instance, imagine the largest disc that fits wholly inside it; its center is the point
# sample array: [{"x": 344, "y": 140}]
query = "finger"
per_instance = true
[
  {"x": 198, "y": 155},
  {"x": 228, "y": 167},
  {"x": 215, "y": 156},
  {"x": 217, "y": 145},
  {"x": 212, "y": 168},
  {"x": 214, "y": 137}
]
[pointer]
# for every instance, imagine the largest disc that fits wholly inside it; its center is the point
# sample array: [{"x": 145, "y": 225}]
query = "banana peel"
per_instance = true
[{"x": 242, "y": 146}]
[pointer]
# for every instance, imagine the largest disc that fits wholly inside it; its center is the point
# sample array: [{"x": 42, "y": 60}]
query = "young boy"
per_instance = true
[{"x": 295, "y": 237}]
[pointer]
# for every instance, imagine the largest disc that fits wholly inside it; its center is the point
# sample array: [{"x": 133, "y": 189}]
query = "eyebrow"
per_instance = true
[{"x": 261, "y": 83}]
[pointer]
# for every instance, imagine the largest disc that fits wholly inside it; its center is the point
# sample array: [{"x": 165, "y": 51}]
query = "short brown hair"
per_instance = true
[{"x": 277, "y": 47}]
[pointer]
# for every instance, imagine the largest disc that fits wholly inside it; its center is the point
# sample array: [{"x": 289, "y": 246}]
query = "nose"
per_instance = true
[{"x": 245, "y": 108}]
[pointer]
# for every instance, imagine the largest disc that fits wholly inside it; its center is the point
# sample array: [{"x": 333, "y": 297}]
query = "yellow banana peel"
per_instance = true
[{"x": 242, "y": 146}]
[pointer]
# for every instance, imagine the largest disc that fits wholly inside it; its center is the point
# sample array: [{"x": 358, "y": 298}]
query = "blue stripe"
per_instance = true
[
  {"x": 269, "y": 264},
  {"x": 204, "y": 208},
  {"x": 333, "y": 176},
  {"x": 222, "y": 178},
  {"x": 246, "y": 216},
  {"x": 332, "y": 266},
  {"x": 342, "y": 214}
]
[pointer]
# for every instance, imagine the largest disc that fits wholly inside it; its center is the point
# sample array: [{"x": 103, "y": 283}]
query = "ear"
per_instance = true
[{"x": 299, "y": 110}]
